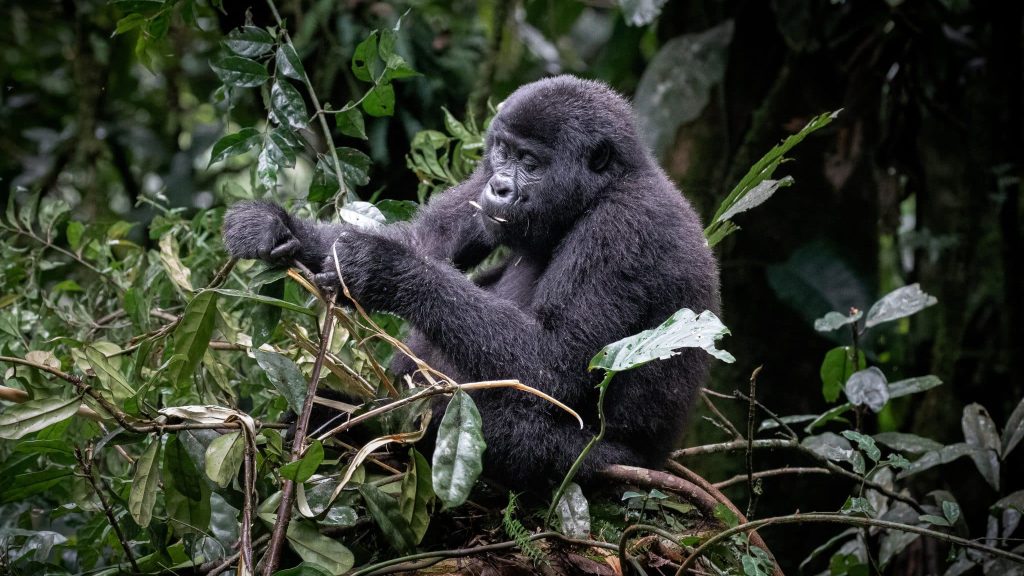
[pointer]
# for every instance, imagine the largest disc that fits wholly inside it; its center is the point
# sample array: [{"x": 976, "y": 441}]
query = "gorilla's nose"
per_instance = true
[{"x": 501, "y": 189}]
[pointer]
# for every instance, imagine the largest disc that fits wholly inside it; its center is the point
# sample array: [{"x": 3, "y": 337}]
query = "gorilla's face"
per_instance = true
[{"x": 519, "y": 179}]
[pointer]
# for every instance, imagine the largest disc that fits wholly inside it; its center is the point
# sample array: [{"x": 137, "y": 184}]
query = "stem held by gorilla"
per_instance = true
[
  {"x": 272, "y": 557},
  {"x": 603, "y": 386}
]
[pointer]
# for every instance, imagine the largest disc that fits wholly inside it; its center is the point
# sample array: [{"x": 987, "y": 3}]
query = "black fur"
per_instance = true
[{"x": 602, "y": 246}]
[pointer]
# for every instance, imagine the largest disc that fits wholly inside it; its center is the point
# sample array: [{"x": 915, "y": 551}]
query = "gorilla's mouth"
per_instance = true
[{"x": 497, "y": 219}]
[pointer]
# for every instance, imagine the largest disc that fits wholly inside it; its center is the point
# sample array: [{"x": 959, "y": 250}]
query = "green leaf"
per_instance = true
[
  {"x": 110, "y": 377},
  {"x": 397, "y": 210},
  {"x": 365, "y": 62},
  {"x": 288, "y": 106},
  {"x": 289, "y": 63},
  {"x": 355, "y": 166},
  {"x": 74, "y": 233},
  {"x": 240, "y": 72},
  {"x": 684, "y": 329},
  {"x": 350, "y": 122},
  {"x": 416, "y": 495},
  {"x": 899, "y": 303},
  {"x": 249, "y": 41},
  {"x": 265, "y": 318},
  {"x": 22, "y": 486},
  {"x": 324, "y": 184},
  {"x": 836, "y": 369},
  {"x": 234, "y": 144},
  {"x": 20, "y": 419},
  {"x": 319, "y": 550},
  {"x": 142, "y": 496},
  {"x": 951, "y": 510},
  {"x": 224, "y": 457},
  {"x": 726, "y": 516},
  {"x": 304, "y": 569},
  {"x": 180, "y": 471},
  {"x": 192, "y": 337},
  {"x": 180, "y": 274},
  {"x": 869, "y": 388},
  {"x": 262, "y": 300},
  {"x": 136, "y": 304},
  {"x": 129, "y": 23},
  {"x": 304, "y": 467},
  {"x": 285, "y": 376},
  {"x": 932, "y": 519},
  {"x": 380, "y": 100},
  {"x": 865, "y": 443},
  {"x": 835, "y": 448},
  {"x": 459, "y": 451},
  {"x": 835, "y": 320},
  {"x": 855, "y": 505},
  {"x": 388, "y": 516}
]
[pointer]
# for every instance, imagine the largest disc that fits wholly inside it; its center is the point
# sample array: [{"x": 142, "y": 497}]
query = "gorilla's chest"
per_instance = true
[{"x": 518, "y": 281}]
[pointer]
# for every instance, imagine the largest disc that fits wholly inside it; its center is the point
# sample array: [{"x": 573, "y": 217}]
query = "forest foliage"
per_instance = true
[{"x": 151, "y": 386}]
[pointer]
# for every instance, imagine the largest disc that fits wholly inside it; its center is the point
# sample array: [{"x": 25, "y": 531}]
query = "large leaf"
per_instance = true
[
  {"x": 263, "y": 300},
  {"x": 142, "y": 496},
  {"x": 574, "y": 512},
  {"x": 301, "y": 469},
  {"x": 980, "y": 432},
  {"x": 224, "y": 457},
  {"x": 350, "y": 122},
  {"x": 909, "y": 443},
  {"x": 289, "y": 63},
  {"x": 417, "y": 494},
  {"x": 899, "y": 303},
  {"x": 684, "y": 329},
  {"x": 868, "y": 387},
  {"x": 288, "y": 105},
  {"x": 459, "y": 451},
  {"x": 285, "y": 376},
  {"x": 21, "y": 419},
  {"x": 234, "y": 144},
  {"x": 835, "y": 448},
  {"x": 192, "y": 337},
  {"x": 914, "y": 385},
  {"x": 945, "y": 455},
  {"x": 315, "y": 548},
  {"x": 380, "y": 100},
  {"x": 678, "y": 83},
  {"x": 240, "y": 72},
  {"x": 386, "y": 513}
]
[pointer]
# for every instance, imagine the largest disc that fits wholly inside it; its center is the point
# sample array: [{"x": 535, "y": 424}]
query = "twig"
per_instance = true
[
  {"x": 284, "y": 510},
  {"x": 822, "y": 517},
  {"x": 630, "y": 530},
  {"x": 218, "y": 566},
  {"x": 755, "y": 489},
  {"x": 86, "y": 465},
  {"x": 774, "y": 472},
  {"x": 734, "y": 445},
  {"x": 68, "y": 253},
  {"x": 245, "y": 544},
  {"x": 20, "y": 397},
  {"x": 395, "y": 564},
  {"x": 706, "y": 398}
]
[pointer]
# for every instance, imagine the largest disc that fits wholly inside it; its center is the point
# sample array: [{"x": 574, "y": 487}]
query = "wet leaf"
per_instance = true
[
  {"x": 684, "y": 329},
  {"x": 865, "y": 443},
  {"x": 234, "y": 144},
  {"x": 574, "y": 512},
  {"x": 835, "y": 320},
  {"x": 362, "y": 214},
  {"x": 910, "y": 386},
  {"x": 240, "y": 72},
  {"x": 249, "y": 41},
  {"x": 459, "y": 451},
  {"x": 417, "y": 494},
  {"x": 142, "y": 496},
  {"x": 899, "y": 303},
  {"x": 868, "y": 388},
  {"x": 835, "y": 448},
  {"x": 110, "y": 377},
  {"x": 366, "y": 65},
  {"x": 285, "y": 376},
  {"x": 288, "y": 106},
  {"x": 289, "y": 63},
  {"x": 1014, "y": 431},
  {"x": 908, "y": 443}
]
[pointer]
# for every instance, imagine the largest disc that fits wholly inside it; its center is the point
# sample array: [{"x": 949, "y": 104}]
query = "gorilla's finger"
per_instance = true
[
  {"x": 286, "y": 251},
  {"x": 327, "y": 279}
]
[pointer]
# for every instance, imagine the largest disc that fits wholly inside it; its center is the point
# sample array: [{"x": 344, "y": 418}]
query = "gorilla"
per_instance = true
[{"x": 600, "y": 246}]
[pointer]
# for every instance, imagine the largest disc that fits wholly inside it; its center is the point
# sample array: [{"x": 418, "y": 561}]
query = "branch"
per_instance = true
[
  {"x": 397, "y": 564},
  {"x": 86, "y": 466},
  {"x": 733, "y": 445},
  {"x": 20, "y": 397},
  {"x": 832, "y": 518},
  {"x": 766, "y": 473},
  {"x": 284, "y": 510}
]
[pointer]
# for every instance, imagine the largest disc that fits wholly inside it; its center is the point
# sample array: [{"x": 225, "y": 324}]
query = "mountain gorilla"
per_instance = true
[{"x": 601, "y": 246}]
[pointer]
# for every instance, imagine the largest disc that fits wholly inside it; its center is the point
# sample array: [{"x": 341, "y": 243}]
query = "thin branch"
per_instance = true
[
  {"x": 755, "y": 489},
  {"x": 721, "y": 418},
  {"x": 284, "y": 510},
  {"x": 47, "y": 244},
  {"x": 20, "y": 397},
  {"x": 831, "y": 518},
  {"x": 397, "y": 564},
  {"x": 737, "y": 479},
  {"x": 733, "y": 445},
  {"x": 86, "y": 465}
]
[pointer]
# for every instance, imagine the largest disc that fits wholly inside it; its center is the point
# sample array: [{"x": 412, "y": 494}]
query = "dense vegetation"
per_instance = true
[{"x": 155, "y": 393}]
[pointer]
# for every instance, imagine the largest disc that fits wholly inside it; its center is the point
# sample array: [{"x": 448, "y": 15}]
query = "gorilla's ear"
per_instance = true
[{"x": 601, "y": 156}]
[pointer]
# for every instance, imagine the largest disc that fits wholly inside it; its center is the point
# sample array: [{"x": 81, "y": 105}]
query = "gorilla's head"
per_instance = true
[{"x": 551, "y": 152}]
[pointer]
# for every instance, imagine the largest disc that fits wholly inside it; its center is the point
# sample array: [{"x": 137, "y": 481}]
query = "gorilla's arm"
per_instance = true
[
  {"x": 592, "y": 302},
  {"x": 446, "y": 229}
]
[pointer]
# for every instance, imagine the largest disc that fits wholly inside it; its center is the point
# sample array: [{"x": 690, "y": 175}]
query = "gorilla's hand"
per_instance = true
[
  {"x": 371, "y": 264},
  {"x": 260, "y": 230}
]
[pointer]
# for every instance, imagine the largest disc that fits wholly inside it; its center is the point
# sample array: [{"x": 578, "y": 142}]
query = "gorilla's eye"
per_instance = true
[
  {"x": 498, "y": 154},
  {"x": 529, "y": 162}
]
